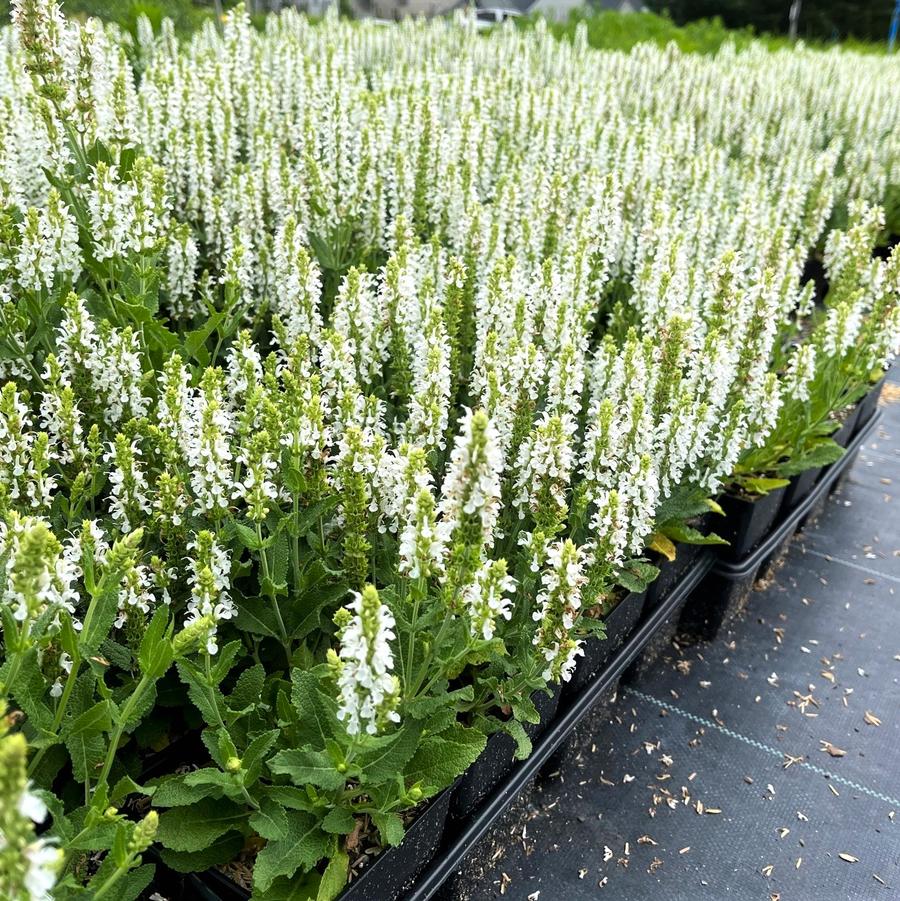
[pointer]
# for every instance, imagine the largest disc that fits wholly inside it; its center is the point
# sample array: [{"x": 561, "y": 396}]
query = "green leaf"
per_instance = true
[
  {"x": 822, "y": 454},
  {"x": 439, "y": 759},
  {"x": 194, "y": 828},
  {"x": 87, "y": 751},
  {"x": 302, "y": 848},
  {"x": 252, "y": 759},
  {"x": 96, "y": 720},
  {"x": 173, "y": 791},
  {"x": 390, "y": 827},
  {"x": 312, "y": 707},
  {"x": 762, "y": 486},
  {"x": 203, "y": 696},
  {"x": 516, "y": 731},
  {"x": 256, "y": 616},
  {"x": 156, "y": 652},
  {"x": 306, "y": 766},
  {"x": 334, "y": 878},
  {"x": 339, "y": 820},
  {"x": 221, "y": 850},
  {"x": 270, "y": 821},
  {"x": 129, "y": 885},
  {"x": 127, "y": 786},
  {"x": 685, "y": 534},
  {"x": 390, "y": 755},
  {"x": 636, "y": 575},
  {"x": 248, "y": 689}
]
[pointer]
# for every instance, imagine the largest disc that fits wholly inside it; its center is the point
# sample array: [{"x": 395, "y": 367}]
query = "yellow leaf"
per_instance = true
[{"x": 662, "y": 545}]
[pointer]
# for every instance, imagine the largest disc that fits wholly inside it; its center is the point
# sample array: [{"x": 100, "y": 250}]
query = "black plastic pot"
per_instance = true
[
  {"x": 849, "y": 427},
  {"x": 869, "y": 405},
  {"x": 392, "y": 872},
  {"x": 671, "y": 573},
  {"x": 725, "y": 590},
  {"x": 747, "y": 521},
  {"x": 498, "y": 758},
  {"x": 620, "y": 623},
  {"x": 800, "y": 487}
]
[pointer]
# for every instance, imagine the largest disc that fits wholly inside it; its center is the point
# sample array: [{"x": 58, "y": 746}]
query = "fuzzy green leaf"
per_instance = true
[
  {"x": 195, "y": 827},
  {"x": 303, "y": 846},
  {"x": 339, "y": 820},
  {"x": 306, "y": 766},
  {"x": 439, "y": 759},
  {"x": 221, "y": 850},
  {"x": 270, "y": 821}
]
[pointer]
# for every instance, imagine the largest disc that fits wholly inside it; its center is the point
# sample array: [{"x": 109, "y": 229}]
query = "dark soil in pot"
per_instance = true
[
  {"x": 498, "y": 758},
  {"x": 747, "y": 521}
]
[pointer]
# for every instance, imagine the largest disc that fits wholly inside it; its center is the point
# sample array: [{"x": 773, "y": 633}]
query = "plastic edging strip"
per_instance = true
[
  {"x": 746, "y": 567},
  {"x": 452, "y": 854}
]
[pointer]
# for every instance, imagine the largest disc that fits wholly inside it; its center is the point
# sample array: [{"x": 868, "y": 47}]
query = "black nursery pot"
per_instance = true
[
  {"x": 391, "y": 873},
  {"x": 620, "y": 623},
  {"x": 868, "y": 405},
  {"x": 747, "y": 521},
  {"x": 671, "y": 573},
  {"x": 497, "y": 759},
  {"x": 849, "y": 427},
  {"x": 714, "y": 603},
  {"x": 800, "y": 487}
]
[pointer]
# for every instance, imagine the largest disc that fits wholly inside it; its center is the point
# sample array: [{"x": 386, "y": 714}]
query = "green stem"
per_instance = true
[
  {"x": 60, "y": 713},
  {"x": 130, "y": 704}
]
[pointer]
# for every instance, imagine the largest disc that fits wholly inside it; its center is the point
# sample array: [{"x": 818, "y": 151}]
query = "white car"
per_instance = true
[{"x": 493, "y": 15}]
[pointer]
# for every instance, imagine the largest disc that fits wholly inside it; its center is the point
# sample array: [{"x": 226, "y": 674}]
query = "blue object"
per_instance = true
[{"x": 895, "y": 26}]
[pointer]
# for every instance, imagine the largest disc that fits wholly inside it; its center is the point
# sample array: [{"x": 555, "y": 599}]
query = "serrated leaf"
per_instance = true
[
  {"x": 334, "y": 878},
  {"x": 94, "y": 721},
  {"x": 221, "y": 850},
  {"x": 389, "y": 756},
  {"x": 87, "y": 751},
  {"x": 441, "y": 758},
  {"x": 195, "y": 827},
  {"x": 312, "y": 707},
  {"x": 172, "y": 791},
  {"x": 255, "y": 754},
  {"x": 308, "y": 767},
  {"x": 339, "y": 820},
  {"x": 390, "y": 827},
  {"x": 303, "y": 846},
  {"x": 516, "y": 731},
  {"x": 248, "y": 688},
  {"x": 685, "y": 534},
  {"x": 270, "y": 821}
]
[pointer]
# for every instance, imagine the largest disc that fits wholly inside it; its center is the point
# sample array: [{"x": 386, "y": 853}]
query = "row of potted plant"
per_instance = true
[{"x": 348, "y": 391}]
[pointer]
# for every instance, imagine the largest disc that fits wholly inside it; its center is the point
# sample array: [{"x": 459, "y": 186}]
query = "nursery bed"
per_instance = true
[{"x": 739, "y": 725}]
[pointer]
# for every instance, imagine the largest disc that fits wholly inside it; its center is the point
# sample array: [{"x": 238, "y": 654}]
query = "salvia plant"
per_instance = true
[{"x": 350, "y": 374}]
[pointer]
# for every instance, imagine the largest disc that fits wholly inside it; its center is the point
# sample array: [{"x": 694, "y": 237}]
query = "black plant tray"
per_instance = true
[
  {"x": 458, "y": 843},
  {"x": 747, "y": 522},
  {"x": 619, "y": 622},
  {"x": 727, "y": 587},
  {"x": 868, "y": 406},
  {"x": 498, "y": 758},
  {"x": 671, "y": 572},
  {"x": 384, "y": 879}
]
